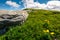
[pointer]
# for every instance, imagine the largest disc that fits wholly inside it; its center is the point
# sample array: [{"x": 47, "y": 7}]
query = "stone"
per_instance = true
[{"x": 12, "y": 18}]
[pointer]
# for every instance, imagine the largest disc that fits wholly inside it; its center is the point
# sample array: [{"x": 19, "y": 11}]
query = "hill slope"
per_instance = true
[{"x": 40, "y": 25}]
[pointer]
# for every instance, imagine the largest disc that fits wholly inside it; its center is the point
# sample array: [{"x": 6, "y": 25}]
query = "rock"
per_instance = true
[{"x": 12, "y": 18}]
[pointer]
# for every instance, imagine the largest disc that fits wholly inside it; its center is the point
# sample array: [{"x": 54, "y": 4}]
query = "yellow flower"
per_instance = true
[
  {"x": 46, "y": 30},
  {"x": 52, "y": 33},
  {"x": 47, "y": 21}
]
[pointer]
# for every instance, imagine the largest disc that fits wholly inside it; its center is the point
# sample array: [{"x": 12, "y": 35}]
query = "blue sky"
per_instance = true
[
  {"x": 20, "y": 5},
  {"x": 42, "y": 1}
]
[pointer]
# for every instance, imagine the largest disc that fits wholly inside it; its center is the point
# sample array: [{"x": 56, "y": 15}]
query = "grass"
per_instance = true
[{"x": 40, "y": 25}]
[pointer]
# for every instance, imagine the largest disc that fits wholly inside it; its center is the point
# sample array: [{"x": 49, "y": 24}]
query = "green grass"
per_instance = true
[{"x": 32, "y": 28}]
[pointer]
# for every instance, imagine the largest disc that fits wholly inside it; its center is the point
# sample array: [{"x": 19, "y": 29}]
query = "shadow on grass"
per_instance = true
[{"x": 7, "y": 26}]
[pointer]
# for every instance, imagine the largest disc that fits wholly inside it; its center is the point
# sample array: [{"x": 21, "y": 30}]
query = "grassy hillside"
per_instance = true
[{"x": 40, "y": 25}]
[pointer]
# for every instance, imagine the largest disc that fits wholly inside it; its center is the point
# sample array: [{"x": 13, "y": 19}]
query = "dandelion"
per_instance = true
[
  {"x": 47, "y": 21},
  {"x": 52, "y": 33},
  {"x": 46, "y": 30}
]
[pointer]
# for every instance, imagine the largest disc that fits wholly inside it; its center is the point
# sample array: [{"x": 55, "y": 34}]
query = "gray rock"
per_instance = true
[{"x": 12, "y": 17}]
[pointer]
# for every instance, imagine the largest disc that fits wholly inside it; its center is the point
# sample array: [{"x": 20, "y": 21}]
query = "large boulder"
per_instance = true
[{"x": 12, "y": 18}]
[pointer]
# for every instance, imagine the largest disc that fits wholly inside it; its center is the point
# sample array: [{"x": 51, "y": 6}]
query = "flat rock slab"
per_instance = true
[{"x": 8, "y": 18}]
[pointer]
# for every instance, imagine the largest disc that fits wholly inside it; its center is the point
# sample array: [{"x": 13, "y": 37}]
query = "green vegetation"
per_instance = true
[{"x": 40, "y": 25}]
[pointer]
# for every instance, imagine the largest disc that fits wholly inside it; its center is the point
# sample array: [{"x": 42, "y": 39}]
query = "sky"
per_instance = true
[{"x": 21, "y": 4}]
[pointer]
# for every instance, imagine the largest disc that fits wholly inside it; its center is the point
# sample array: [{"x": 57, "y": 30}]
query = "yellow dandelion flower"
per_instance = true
[
  {"x": 47, "y": 21},
  {"x": 46, "y": 30},
  {"x": 52, "y": 33}
]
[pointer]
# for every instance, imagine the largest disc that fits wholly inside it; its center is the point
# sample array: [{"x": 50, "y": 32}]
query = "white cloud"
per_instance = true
[
  {"x": 50, "y": 5},
  {"x": 28, "y": 3},
  {"x": 32, "y": 4},
  {"x": 39, "y": 6},
  {"x": 53, "y": 5},
  {"x": 13, "y": 4}
]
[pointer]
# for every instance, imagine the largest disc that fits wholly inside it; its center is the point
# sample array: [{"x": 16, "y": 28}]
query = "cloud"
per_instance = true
[
  {"x": 13, "y": 4},
  {"x": 32, "y": 4},
  {"x": 28, "y": 3},
  {"x": 53, "y": 5}
]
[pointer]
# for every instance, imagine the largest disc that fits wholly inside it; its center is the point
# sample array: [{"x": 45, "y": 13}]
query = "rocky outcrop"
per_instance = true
[{"x": 12, "y": 18}]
